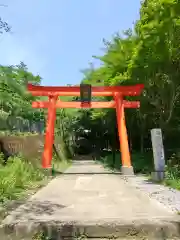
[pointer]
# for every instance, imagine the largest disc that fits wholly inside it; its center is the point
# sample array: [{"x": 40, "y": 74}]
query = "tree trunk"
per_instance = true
[{"x": 142, "y": 142}]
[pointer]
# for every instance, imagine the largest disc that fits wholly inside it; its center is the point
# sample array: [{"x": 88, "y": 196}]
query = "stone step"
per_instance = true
[{"x": 139, "y": 229}]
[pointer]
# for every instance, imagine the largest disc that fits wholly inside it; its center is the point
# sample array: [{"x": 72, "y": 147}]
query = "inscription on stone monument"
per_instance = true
[{"x": 158, "y": 150}]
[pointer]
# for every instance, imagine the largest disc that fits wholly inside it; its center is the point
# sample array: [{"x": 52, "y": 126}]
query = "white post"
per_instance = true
[{"x": 158, "y": 154}]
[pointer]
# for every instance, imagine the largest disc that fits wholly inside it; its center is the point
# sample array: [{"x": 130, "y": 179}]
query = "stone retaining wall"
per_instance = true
[{"x": 28, "y": 146}]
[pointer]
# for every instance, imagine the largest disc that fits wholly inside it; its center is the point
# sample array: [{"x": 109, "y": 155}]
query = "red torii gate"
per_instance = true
[{"x": 118, "y": 92}]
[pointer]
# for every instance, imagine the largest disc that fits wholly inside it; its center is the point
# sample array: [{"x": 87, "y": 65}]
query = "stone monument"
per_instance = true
[{"x": 158, "y": 154}]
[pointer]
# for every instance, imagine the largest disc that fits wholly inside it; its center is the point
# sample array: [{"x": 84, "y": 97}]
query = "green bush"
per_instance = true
[
  {"x": 17, "y": 175},
  {"x": 172, "y": 178},
  {"x": 111, "y": 161},
  {"x": 142, "y": 163},
  {"x": 2, "y": 161},
  {"x": 173, "y": 166},
  {"x": 173, "y": 183}
]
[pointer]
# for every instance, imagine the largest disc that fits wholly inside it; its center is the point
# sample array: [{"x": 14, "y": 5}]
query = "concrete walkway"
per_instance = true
[{"x": 89, "y": 200}]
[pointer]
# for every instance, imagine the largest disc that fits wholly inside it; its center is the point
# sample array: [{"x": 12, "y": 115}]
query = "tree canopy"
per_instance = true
[
  {"x": 15, "y": 101},
  {"x": 149, "y": 54}
]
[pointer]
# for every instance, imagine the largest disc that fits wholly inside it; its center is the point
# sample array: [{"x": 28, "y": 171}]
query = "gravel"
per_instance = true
[{"x": 167, "y": 196}]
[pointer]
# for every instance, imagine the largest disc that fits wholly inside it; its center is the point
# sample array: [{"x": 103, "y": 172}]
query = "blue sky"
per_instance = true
[{"x": 57, "y": 38}]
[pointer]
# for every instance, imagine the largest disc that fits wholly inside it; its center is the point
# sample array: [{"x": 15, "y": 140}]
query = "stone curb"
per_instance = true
[{"x": 137, "y": 229}]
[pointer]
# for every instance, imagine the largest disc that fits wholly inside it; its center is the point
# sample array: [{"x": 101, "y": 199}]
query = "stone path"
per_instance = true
[{"x": 89, "y": 200}]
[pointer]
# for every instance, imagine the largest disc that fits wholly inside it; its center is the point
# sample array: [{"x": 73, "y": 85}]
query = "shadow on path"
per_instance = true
[{"x": 55, "y": 173}]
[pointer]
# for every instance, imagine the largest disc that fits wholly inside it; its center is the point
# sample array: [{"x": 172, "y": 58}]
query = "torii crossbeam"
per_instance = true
[{"x": 118, "y": 92}]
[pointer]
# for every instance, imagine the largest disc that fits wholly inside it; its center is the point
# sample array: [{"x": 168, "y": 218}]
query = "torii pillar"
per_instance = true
[{"x": 126, "y": 168}]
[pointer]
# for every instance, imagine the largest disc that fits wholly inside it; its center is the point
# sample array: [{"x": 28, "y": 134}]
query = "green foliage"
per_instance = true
[
  {"x": 173, "y": 183},
  {"x": 173, "y": 171},
  {"x": 147, "y": 54},
  {"x": 20, "y": 174},
  {"x": 142, "y": 163},
  {"x": 17, "y": 176},
  {"x": 15, "y": 102},
  {"x": 173, "y": 166},
  {"x": 64, "y": 133}
]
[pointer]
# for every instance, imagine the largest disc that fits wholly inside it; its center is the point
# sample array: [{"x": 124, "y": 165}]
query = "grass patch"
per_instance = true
[
  {"x": 17, "y": 176},
  {"x": 20, "y": 178},
  {"x": 172, "y": 175},
  {"x": 173, "y": 183}
]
